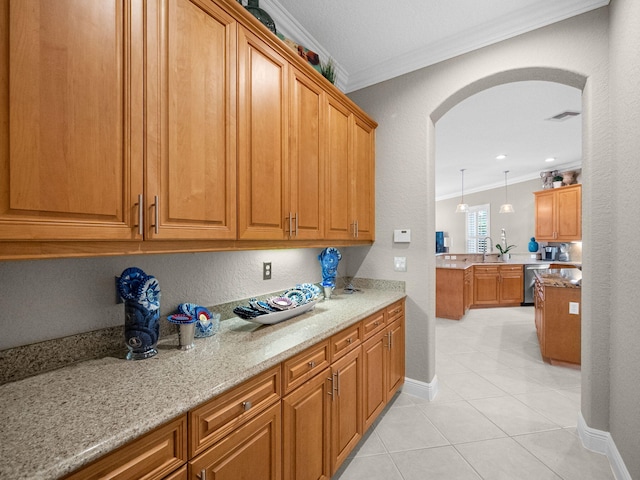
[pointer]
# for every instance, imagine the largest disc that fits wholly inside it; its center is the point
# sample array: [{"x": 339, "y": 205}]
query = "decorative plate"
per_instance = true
[{"x": 278, "y": 317}]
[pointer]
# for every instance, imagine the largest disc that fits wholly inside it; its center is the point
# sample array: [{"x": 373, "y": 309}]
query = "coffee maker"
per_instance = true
[{"x": 551, "y": 253}]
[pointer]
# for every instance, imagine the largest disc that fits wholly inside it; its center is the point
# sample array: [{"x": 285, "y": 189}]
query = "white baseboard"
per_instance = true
[
  {"x": 601, "y": 442},
  {"x": 421, "y": 389}
]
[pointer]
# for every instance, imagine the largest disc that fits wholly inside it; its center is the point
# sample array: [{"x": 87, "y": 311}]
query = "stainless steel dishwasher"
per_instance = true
[{"x": 530, "y": 280}]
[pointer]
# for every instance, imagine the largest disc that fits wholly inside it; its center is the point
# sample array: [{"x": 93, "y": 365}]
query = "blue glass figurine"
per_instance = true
[
  {"x": 329, "y": 259},
  {"x": 533, "y": 245}
]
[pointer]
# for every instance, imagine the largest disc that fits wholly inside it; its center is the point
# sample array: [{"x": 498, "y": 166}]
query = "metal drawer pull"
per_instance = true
[
  {"x": 297, "y": 224},
  {"x": 349, "y": 340},
  {"x": 337, "y": 374},
  {"x": 246, "y": 405},
  {"x": 330, "y": 392},
  {"x": 289, "y": 218},
  {"x": 203, "y": 475},
  {"x": 375, "y": 324},
  {"x": 312, "y": 364}
]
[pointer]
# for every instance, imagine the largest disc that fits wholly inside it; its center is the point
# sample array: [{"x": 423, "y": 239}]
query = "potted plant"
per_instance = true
[
  {"x": 504, "y": 251},
  {"x": 557, "y": 181}
]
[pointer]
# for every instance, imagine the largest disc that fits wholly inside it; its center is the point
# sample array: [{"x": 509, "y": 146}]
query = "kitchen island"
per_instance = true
[
  {"x": 57, "y": 422},
  {"x": 558, "y": 314}
]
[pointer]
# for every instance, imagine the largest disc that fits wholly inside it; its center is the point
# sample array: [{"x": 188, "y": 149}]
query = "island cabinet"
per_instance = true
[
  {"x": 558, "y": 214},
  {"x": 453, "y": 292},
  {"x": 495, "y": 285},
  {"x": 558, "y": 326},
  {"x": 350, "y": 174}
]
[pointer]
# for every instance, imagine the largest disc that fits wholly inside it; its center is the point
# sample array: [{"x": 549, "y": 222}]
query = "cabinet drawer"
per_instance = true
[
  {"x": 485, "y": 269},
  {"x": 180, "y": 474},
  {"x": 305, "y": 365},
  {"x": 395, "y": 311},
  {"x": 211, "y": 421},
  {"x": 373, "y": 324},
  {"x": 511, "y": 268},
  {"x": 151, "y": 457},
  {"x": 343, "y": 342}
]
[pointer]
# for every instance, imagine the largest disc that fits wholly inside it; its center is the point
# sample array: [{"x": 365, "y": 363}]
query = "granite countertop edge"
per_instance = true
[{"x": 74, "y": 415}]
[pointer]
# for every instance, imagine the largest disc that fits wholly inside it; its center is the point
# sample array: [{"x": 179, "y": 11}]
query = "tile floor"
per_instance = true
[{"x": 501, "y": 412}]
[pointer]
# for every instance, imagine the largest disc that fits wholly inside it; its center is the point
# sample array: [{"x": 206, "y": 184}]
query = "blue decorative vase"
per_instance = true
[
  {"x": 141, "y": 295},
  {"x": 141, "y": 330},
  {"x": 329, "y": 259},
  {"x": 533, "y": 245}
]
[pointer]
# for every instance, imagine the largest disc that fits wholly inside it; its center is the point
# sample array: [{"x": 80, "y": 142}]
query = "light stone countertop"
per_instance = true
[{"x": 56, "y": 422}]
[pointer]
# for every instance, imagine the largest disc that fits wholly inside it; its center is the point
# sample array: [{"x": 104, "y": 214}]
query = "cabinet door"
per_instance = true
[
  {"x": 396, "y": 363},
  {"x": 191, "y": 139},
  {"x": 374, "y": 379},
  {"x": 486, "y": 286},
  {"x": 251, "y": 451},
  {"x": 545, "y": 215},
  {"x": 306, "y": 414},
  {"x": 262, "y": 149},
  {"x": 346, "y": 412},
  {"x": 569, "y": 201},
  {"x": 71, "y": 116},
  {"x": 306, "y": 159},
  {"x": 338, "y": 186},
  {"x": 511, "y": 285},
  {"x": 363, "y": 175}
]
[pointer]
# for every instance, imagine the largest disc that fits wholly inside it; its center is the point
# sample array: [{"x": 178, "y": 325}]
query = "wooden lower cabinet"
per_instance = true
[
  {"x": 496, "y": 285},
  {"x": 306, "y": 421},
  {"x": 346, "y": 407},
  {"x": 395, "y": 352},
  {"x": 452, "y": 292},
  {"x": 559, "y": 332},
  {"x": 253, "y": 451},
  {"x": 150, "y": 457}
]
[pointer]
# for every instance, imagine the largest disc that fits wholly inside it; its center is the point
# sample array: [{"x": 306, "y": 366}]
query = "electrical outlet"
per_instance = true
[
  {"x": 574, "y": 308},
  {"x": 400, "y": 264},
  {"x": 266, "y": 270}
]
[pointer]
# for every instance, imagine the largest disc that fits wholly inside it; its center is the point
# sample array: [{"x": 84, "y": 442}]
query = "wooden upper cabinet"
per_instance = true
[
  {"x": 71, "y": 140},
  {"x": 338, "y": 186},
  {"x": 363, "y": 180},
  {"x": 306, "y": 197},
  {"x": 262, "y": 139},
  {"x": 191, "y": 130},
  {"x": 350, "y": 144},
  {"x": 559, "y": 214}
]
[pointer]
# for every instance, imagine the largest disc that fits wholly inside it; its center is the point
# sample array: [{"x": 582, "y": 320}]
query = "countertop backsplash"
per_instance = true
[{"x": 29, "y": 360}]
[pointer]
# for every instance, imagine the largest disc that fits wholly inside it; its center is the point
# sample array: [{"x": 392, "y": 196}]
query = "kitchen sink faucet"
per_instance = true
[{"x": 488, "y": 248}]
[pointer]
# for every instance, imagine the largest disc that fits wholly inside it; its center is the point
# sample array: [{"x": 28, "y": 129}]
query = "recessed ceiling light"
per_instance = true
[
  {"x": 502, "y": 156},
  {"x": 550, "y": 159}
]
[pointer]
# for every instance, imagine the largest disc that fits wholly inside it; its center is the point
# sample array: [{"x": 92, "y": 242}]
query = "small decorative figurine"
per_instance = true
[{"x": 533, "y": 245}]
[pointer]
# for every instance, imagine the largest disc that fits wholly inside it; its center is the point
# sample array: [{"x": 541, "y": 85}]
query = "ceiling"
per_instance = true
[{"x": 376, "y": 40}]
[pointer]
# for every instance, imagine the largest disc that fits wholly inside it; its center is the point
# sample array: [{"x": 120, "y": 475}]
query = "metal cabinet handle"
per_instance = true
[
  {"x": 156, "y": 210},
  {"x": 349, "y": 340},
  {"x": 246, "y": 405},
  {"x": 376, "y": 323},
  {"x": 337, "y": 374},
  {"x": 297, "y": 214},
  {"x": 357, "y": 232},
  {"x": 203, "y": 475},
  {"x": 289, "y": 220},
  {"x": 311, "y": 364},
  {"x": 330, "y": 392},
  {"x": 140, "y": 214}
]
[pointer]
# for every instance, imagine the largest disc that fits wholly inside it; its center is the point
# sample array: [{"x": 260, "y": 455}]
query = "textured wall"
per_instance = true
[
  {"x": 625, "y": 322},
  {"x": 46, "y": 299},
  {"x": 520, "y": 226},
  {"x": 573, "y": 52}
]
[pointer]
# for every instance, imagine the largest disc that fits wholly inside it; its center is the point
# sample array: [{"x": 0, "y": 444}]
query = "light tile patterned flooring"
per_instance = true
[{"x": 501, "y": 412}]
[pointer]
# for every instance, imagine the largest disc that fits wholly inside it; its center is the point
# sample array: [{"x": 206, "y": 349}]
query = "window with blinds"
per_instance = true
[{"x": 478, "y": 228}]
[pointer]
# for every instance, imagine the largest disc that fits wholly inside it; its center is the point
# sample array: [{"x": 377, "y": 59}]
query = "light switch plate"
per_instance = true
[
  {"x": 574, "y": 308},
  {"x": 400, "y": 264}
]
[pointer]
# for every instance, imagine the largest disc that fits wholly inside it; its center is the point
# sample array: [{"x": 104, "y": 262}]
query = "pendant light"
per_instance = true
[
  {"x": 506, "y": 207},
  {"x": 462, "y": 207}
]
